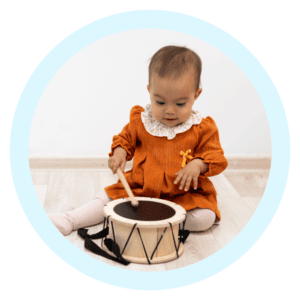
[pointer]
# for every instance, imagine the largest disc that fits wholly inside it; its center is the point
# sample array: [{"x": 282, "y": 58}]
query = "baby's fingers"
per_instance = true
[
  {"x": 123, "y": 165},
  {"x": 188, "y": 183},
  {"x": 183, "y": 180},
  {"x": 115, "y": 167},
  {"x": 195, "y": 179},
  {"x": 111, "y": 165},
  {"x": 179, "y": 176}
]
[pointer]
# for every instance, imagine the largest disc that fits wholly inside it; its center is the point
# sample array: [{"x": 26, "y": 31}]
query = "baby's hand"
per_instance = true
[
  {"x": 117, "y": 160},
  {"x": 190, "y": 172}
]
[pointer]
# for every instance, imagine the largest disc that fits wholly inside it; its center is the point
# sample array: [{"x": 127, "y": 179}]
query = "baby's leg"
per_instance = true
[
  {"x": 199, "y": 219},
  {"x": 87, "y": 215}
]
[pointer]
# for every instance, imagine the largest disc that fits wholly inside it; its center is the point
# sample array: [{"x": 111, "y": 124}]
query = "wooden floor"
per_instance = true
[{"x": 239, "y": 193}]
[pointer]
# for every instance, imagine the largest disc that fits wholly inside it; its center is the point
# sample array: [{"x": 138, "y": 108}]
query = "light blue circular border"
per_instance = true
[{"x": 140, "y": 20}]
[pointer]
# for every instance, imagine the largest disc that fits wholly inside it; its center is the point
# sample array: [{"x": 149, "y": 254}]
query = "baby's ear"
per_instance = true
[
  {"x": 148, "y": 88},
  {"x": 198, "y": 92}
]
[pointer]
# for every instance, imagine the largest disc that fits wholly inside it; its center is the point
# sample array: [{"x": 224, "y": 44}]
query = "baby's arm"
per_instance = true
[
  {"x": 209, "y": 149},
  {"x": 208, "y": 158},
  {"x": 124, "y": 144}
]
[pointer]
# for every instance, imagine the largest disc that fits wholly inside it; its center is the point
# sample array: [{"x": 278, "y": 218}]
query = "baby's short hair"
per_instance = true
[{"x": 174, "y": 61}]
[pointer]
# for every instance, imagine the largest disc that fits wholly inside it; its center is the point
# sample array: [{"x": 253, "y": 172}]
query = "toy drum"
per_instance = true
[{"x": 153, "y": 232}]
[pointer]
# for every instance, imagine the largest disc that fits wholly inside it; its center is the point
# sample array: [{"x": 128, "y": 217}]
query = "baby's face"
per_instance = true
[{"x": 172, "y": 99}]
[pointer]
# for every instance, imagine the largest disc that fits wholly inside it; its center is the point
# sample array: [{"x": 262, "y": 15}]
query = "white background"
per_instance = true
[{"x": 89, "y": 99}]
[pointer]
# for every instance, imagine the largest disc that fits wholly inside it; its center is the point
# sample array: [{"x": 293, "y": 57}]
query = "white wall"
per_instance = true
[{"x": 90, "y": 97}]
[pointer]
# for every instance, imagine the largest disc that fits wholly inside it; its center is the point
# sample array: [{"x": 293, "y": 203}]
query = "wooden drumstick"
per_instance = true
[{"x": 134, "y": 202}]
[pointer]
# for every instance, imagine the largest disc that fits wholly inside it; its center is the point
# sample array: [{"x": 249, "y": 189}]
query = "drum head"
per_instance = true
[
  {"x": 152, "y": 213},
  {"x": 145, "y": 211}
]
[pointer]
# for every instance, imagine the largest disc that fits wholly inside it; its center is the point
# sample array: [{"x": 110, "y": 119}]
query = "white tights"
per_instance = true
[{"x": 92, "y": 214}]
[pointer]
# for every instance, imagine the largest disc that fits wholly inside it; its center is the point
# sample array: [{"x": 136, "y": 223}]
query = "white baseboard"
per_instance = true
[
  {"x": 69, "y": 162},
  {"x": 250, "y": 162}
]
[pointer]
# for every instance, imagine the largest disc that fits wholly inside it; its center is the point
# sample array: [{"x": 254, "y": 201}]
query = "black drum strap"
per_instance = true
[
  {"x": 183, "y": 235},
  {"x": 109, "y": 243}
]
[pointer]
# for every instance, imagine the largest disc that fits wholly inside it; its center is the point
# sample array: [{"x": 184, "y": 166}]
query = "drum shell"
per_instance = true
[{"x": 150, "y": 241}]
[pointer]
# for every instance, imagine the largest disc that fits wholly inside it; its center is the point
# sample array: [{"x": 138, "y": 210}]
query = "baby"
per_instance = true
[{"x": 175, "y": 150}]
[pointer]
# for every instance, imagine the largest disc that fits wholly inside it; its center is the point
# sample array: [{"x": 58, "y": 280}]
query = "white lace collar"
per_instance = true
[{"x": 157, "y": 128}]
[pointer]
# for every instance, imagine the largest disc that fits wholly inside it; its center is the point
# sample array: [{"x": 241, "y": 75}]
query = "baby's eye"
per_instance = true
[
  {"x": 160, "y": 103},
  {"x": 180, "y": 104}
]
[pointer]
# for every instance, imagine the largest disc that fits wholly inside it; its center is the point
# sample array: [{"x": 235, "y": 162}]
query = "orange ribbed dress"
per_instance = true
[{"x": 157, "y": 159}]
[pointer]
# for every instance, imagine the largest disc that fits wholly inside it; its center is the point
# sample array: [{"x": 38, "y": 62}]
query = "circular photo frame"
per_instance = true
[{"x": 150, "y": 20}]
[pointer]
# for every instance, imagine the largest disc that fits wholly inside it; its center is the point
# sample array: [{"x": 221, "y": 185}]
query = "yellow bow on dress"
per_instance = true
[{"x": 185, "y": 156}]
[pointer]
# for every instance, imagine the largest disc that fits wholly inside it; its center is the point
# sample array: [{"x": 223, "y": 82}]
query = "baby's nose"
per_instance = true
[{"x": 170, "y": 111}]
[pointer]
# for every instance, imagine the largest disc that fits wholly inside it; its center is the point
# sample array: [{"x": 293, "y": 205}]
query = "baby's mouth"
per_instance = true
[{"x": 171, "y": 119}]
